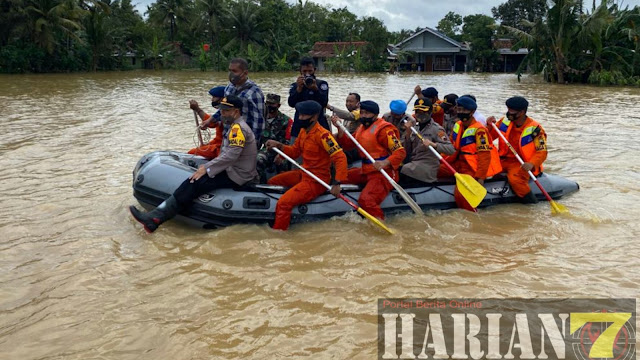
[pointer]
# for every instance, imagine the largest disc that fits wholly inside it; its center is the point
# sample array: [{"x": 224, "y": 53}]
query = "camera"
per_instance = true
[{"x": 308, "y": 80}]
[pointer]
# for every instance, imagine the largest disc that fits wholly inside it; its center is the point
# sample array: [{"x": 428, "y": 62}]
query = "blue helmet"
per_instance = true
[{"x": 398, "y": 106}]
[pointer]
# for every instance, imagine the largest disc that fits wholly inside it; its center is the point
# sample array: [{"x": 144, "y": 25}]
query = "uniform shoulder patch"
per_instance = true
[
  {"x": 482, "y": 141},
  {"x": 330, "y": 144},
  {"x": 324, "y": 86},
  {"x": 540, "y": 142},
  {"x": 392, "y": 141},
  {"x": 236, "y": 136}
]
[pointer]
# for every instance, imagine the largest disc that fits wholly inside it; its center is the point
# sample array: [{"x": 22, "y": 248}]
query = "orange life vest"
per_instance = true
[
  {"x": 526, "y": 148},
  {"x": 368, "y": 138},
  {"x": 465, "y": 145}
]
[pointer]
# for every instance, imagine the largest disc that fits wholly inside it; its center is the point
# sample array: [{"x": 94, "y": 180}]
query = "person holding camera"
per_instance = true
[{"x": 308, "y": 87}]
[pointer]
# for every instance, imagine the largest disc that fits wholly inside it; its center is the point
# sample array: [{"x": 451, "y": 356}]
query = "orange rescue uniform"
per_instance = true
[
  {"x": 475, "y": 155},
  {"x": 318, "y": 149},
  {"x": 381, "y": 140},
  {"x": 529, "y": 140},
  {"x": 212, "y": 149}
]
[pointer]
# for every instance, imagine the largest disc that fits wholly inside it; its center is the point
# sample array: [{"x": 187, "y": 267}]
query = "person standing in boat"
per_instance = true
[
  {"x": 351, "y": 115},
  {"x": 397, "y": 115},
  {"x": 432, "y": 94},
  {"x": 530, "y": 141},
  {"x": 278, "y": 128},
  {"x": 319, "y": 150},
  {"x": 235, "y": 166},
  {"x": 475, "y": 154},
  {"x": 381, "y": 140},
  {"x": 308, "y": 87},
  {"x": 421, "y": 164},
  {"x": 212, "y": 149},
  {"x": 250, "y": 94}
]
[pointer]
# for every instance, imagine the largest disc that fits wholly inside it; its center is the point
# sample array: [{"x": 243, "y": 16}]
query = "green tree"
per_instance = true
[
  {"x": 246, "y": 24},
  {"x": 512, "y": 12},
  {"x": 51, "y": 20},
  {"x": 450, "y": 25},
  {"x": 479, "y": 31}
]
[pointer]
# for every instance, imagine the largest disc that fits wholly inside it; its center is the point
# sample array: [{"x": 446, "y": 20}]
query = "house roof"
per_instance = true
[
  {"x": 436, "y": 33},
  {"x": 324, "y": 49}
]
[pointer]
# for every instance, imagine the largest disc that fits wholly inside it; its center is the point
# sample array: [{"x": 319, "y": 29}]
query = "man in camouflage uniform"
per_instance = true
[{"x": 278, "y": 128}]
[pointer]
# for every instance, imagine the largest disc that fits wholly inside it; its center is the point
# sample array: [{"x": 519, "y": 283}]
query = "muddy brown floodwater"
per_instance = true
[{"x": 80, "y": 280}]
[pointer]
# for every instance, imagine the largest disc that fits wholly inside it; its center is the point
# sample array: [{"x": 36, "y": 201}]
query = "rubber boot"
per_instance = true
[
  {"x": 529, "y": 198},
  {"x": 152, "y": 220}
]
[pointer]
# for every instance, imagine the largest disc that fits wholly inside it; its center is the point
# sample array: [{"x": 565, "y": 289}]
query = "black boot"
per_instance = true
[
  {"x": 529, "y": 198},
  {"x": 152, "y": 220}
]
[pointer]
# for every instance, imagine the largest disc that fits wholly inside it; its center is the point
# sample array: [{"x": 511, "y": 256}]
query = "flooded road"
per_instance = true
[{"x": 80, "y": 280}]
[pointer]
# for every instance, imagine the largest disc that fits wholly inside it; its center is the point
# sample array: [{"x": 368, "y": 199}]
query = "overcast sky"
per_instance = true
[{"x": 397, "y": 14}]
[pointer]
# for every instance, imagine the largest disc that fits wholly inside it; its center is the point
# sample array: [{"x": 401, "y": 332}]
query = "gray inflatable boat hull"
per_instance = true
[{"x": 159, "y": 173}]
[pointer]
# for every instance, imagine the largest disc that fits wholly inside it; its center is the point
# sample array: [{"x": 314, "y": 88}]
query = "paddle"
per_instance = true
[
  {"x": 468, "y": 187},
  {"x": 411, "y": 98},
  {"x": 360, "y": 210},
  {"x": 195, "y": 116},
  {"x": 415, "y": 207},
  {"x": 555, "y": 207}
]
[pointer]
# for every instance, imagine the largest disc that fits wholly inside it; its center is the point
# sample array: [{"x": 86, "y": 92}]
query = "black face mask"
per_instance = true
[
  {"x": 272, "y": 109},
  {"x": 464, "y": 116},
  {"x": 234, "y": 79},
  {"x": 215, "y": 104},
  {"x": 366, "y": 121},
  {"x": 512, "y": 116},
  {"x": 423, "y": 118}
]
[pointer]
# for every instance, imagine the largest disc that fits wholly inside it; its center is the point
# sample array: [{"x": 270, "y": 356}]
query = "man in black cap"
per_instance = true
[
  {"x": 381, "y": 140},
  {"x": 530, "y": 141},
  {"x": 308, "y": 87},
  {"x": 475, "y": 154},
  {"x": 421, "y": 164},
  {"x": 431, "y": 93},
  {"x": 235, "y": 166},
  {"x": 278, "y": 128},
  {"x": 449, "y": 108},
  {"x": 319, "y": 150}
]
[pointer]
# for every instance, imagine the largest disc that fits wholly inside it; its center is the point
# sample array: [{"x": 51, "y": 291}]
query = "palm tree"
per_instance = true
[
  {"x": 98, "y": 32},
  {"x": 213, "y": 12},
  {"x": 50, "y": 18},
  {"x": 246, "y": 23},
  {"x": 167, "y": 11}
]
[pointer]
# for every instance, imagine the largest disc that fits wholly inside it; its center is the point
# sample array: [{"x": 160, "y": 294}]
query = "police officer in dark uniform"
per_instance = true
[{"x": 308, "y": 87}]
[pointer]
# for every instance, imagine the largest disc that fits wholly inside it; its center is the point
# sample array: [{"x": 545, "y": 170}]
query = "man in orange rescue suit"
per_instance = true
[
  {"x": 212, "y": 149},
  {"x": 318, "y": 149},
  {"x": 529, "y": 140},
  {"x": 381, "y": 140},
  {"x": 475, "y": 155}
]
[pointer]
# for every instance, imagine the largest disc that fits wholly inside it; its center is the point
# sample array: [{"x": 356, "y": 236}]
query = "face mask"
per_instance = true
[
  {"x": 234, "y": 79},
  {"x": 464, "y": 116},
  {"x": 272, "y": 109},
  {"x": 366, "y": 121},
  {"x": 423, "y": 118},
  {"x": 227, "y": 119},
  {"x": 511, "y": 116},
  {"x": 215, "y": 104}
]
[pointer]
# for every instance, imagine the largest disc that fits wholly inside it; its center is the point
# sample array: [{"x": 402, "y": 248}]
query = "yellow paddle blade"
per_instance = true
[
  {"x": 374, "y": 220},
  {"x": 558, "y": 208},
  {"x": 472, "y": 191}
]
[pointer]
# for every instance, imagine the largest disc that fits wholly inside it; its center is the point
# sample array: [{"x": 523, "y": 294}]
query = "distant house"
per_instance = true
[
  {"x": 434, "y": 51},
  {"x": 321, "y": 50},
  {"x": 510, "y": 59}
]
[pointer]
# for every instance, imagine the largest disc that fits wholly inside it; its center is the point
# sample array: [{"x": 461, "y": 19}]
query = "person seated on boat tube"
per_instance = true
[
  {"x": 319, "y": 150},
  {"x": 432, "y": 94},
  {"x": 449, "y": 108},
  {"x": 397, "y": 115},
  {"x": 351, "y": 115},
  {"x": 475, "y": 154},
  {"x": 382, "y": 141},
  {"x": 530, "y": 141},
  {"x": 212, "y": 149},
  {"x": 278, "y": 128},
  {"x": 421, "y": 164},
  {"x": 235, "y": 166}
]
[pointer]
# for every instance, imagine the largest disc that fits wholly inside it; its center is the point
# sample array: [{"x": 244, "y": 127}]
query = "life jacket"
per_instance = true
[
  {"x": 526, "y": 148},
  {"x": 465, "y": 145},
  {"x": 368, "y": 138},
  {"x": 437, "y": 114}
]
